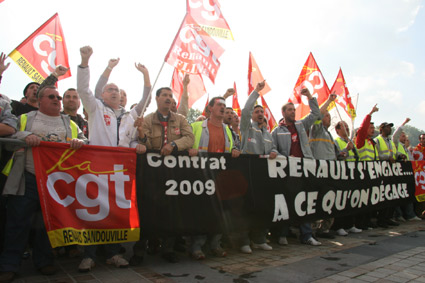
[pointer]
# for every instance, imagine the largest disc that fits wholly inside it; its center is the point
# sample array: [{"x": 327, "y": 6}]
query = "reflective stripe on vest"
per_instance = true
[
  {"x": 342, "y": 144},
  {"x": 368, "y": 152},
  {"x": 400, "y": 149},
  {"x": 197, "y": 132},
  {"x": 384, "y": 150}
]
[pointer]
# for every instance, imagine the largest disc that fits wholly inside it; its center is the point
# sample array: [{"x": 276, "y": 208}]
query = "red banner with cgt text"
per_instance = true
[{"x": 87, "y": 196}]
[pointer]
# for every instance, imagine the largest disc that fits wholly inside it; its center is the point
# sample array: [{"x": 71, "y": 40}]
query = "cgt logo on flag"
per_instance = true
[
  {"x": 88, "y": 195},
  {"x": 42, "y": 51}
]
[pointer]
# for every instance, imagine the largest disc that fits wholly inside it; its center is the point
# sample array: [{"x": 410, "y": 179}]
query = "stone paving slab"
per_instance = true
[{"x": 331, "y": 262}]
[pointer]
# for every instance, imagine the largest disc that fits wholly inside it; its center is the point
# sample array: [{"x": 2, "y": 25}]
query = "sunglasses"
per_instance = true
[{"x": 52, "y": 96}]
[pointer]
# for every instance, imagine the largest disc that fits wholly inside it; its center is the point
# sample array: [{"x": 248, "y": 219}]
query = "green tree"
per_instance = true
[
  {"x": 192, "y": 115},
  {"x": 413, "y": 134}
]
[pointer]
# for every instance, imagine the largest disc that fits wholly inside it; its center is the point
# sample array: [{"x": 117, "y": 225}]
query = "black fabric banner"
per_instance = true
[{"x": 212, "y": 193}]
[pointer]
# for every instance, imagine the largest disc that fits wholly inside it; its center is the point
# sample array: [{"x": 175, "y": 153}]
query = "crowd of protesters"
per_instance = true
[{"x": 44, "y": 115}]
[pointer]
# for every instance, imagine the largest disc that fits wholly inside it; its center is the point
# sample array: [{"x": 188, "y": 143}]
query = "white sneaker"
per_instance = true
[
  {"x": 312, "y": 242},
  {"x": 246, "y": 249},
  {"x": 341, "y": 232},
  {"x": 86, "y": 265},
  {"x": 414, "y": 219},
  {"x": 401, "y": 219},
  {"x": 283, "y": 241},
  {"x": 354, "y": 230},
  {"x": 263, "y": 246},
  {"x": 118, "y": 261}
]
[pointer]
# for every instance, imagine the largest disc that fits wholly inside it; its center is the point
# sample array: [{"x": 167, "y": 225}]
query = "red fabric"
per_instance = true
[
  {"x": 362, "y": 135},
  {"x": 419, "y": 152},
  {"x": 193, "y": 51},
  {"x": 206, "y": 105},
  {"x": 196, "y": 88},
  {"x": 271, "y": 122},
  {"x": 343, "y": 96},
  {"x": 255, "y": 76},
  {"x": 235, "y": 103},
  {"x": 295, "y": 142},
  {"x": 43, "y": 50},
  {"x": 208, "y": 15},
  {"x": 98, "y": 183},
  {"x": 310, "y": 77},
  {"x": 216, "y": 142},
  {"x": 165, "y": 126}
]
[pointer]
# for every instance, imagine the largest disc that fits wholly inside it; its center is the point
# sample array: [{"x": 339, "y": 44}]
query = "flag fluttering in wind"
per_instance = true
[
  {"x": 42, "y": 51},
  {"x": 195, "y": 89},
  {"x": 310, "y": 77},
  {"x": 193, "y": 51},
  {"x": 207, "y": 14},
  {"x": 343, "y": 96},
  {"x": 343, "y": 108},
  {"x": 235, "y": 103},
  {"x": 255, "y": 76},
  {"x": 271, "y": 122},
  {"x": 206, "y": 105}
]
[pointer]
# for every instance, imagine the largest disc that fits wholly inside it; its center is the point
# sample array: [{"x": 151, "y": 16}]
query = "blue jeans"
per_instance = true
[
  {"x": 21, "y": 210},
  {"x": 305, "y": 231}
]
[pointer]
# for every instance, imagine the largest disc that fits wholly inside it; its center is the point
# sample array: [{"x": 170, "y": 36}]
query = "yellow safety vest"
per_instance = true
[
  {"x": 197, "y": 132},
  {"x": 400, "y": 149},
  {"x": 368, "y": 152},
  {"x": 24, "y": 118},
  {"x": 342, "y": 144},
  {"x": 384, "y": 150}
]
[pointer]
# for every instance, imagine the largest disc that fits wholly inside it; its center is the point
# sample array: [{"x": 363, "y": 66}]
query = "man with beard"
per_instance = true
[{"x": 291, "y": 140}]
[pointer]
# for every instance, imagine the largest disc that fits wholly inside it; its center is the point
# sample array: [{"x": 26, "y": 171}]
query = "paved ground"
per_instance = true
[{"x": 379, "y": 255}]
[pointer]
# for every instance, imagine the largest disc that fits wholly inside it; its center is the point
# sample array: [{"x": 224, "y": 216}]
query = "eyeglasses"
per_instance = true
[
  {"x": 52, "y": 96},
  {"x": 112, "y": 89}
]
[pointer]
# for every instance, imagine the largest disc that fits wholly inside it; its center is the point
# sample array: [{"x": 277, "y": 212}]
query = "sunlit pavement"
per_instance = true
[{"x": 380, "y": 255}]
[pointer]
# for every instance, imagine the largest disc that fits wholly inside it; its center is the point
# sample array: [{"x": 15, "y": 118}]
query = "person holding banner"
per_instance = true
[
  {"x": 367, "y": 151},
  {"x": 212, "y": 135},
  {"x": 405, "y": 212},
  {"x": 323, "y": 147},
  {"x": 104, "y": 122},
  {"x": 46, "y": 124},
  {"x": 256, "y": 139},
  {"x": 291, "y": 140},
  {"x": 168, "y": 132},
  {"x": 343, "y": 225}
]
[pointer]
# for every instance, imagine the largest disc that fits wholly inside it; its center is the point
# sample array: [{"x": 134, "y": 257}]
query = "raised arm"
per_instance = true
[
  {"x": 103, "y": 80},
  {"x": 249, "y": 107},
  {"x": 53, "y": 77},
  {"x": 398, "y": 131},
  {"x": 83, "y": 80},
  {"x": 184, "y": 100},
  {"x": 364, "y": 127},
  {"x": 325, "y": 105},
  {"x": 314, "y": 109},
  {"x": 146, "y": 99}
]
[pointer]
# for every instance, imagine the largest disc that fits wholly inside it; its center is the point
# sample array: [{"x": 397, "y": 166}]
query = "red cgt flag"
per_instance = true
[
  {"x": 343, "y": 96},
  {"x": 311, "y": 77},
  {"x": 208, "y": 15},
  {"x": 235, "y": 103},
  {"x": 195, "y": 89},
  {"x": 271, "y": 122},
  {"x": 42, "y": 51},
  {"x": 193, "y": 51},
  {"x": 255, "y": 76},
  {"x": 88, "y": 196}
]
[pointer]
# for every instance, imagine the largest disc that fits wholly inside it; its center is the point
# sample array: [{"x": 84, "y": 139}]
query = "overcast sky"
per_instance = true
[{"x": 378, "y": 44}]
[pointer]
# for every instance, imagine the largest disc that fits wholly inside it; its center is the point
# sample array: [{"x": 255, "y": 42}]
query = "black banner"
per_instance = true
[{"x": 210, "y": 193}]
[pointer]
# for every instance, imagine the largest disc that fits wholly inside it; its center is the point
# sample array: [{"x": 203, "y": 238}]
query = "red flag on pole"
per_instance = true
[
  {"x": 235, "y": 103},
  {"x": 193, "y": 51},
  {"x": 271, "y": 122},
  {"x": 310, "y": 77},
  {"x": 208, "y": 15},
  {"x": 195, "y": 89},
  {"x": 42, "y": 51},
  {"x": 206, "y": 104},
  {"x": 343, "y": 96},
  {"x": 255, "y": 76}
]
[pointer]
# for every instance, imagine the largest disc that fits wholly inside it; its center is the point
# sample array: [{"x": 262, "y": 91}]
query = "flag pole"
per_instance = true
[{"x": 130, "y": 130}]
